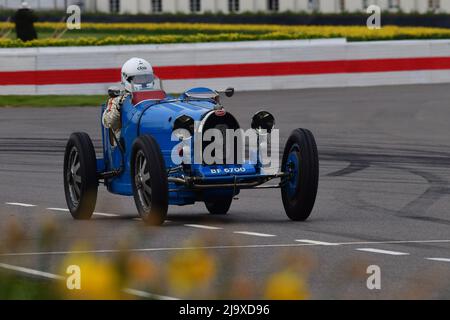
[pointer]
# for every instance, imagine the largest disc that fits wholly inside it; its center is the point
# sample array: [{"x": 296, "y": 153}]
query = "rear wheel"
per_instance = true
[
  {"x": 219, "y": 207},
  {"x": 301, "y": 161},
  {"x": 149, "y": 180},
  {"x": 80, "y": 176}
]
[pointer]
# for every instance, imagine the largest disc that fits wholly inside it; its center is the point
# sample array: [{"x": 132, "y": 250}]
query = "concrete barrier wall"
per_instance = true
[{"x": 264, "y": 65}]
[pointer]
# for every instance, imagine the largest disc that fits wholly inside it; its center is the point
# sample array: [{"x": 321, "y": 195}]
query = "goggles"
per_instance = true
[{"x": 142, "y": 79}]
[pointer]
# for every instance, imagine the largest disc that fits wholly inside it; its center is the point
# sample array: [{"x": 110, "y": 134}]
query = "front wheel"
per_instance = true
[
  {"x": 80, "y": 176},
  {"x": 219, "y": 207},
  {"x": 149, "y": 180},
  {"x": 301, "y": 161}
]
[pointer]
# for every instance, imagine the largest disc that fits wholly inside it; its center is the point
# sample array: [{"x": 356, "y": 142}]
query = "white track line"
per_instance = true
[
  {"x": 58, "y": 209},
  {"x": 17, "y": 254},
  {"x": 102, "y": 214},
  {"x": 200, "y": 226},
  {"x": 95, "y": 213},
  {"x": 147, "y": 295},
  {"x": 392, "y": 242},
  {"x": 18, "y": 204},
  {"x": 31, "y": 272},
  {"x": 220, "y": 247},
  {"x": 439, "y": 259},
  {"x": 392, "y": 253},
  {"x": 256, "y": 234},
  {"x": 52, "y": 276},
  {"x": 319, "y": 243}
]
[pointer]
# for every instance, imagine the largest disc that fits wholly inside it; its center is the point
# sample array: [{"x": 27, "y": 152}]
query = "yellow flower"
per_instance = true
[
  {"x": 286, "y": 285},
  {"x": 100, "y": 280},
  {"x": 190, "y": 270}
]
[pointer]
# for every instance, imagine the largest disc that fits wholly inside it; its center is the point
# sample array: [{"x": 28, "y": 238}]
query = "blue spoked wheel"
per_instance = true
[
  {"x": 301, "y": 161},
  {"x": 149, "y": 180}
]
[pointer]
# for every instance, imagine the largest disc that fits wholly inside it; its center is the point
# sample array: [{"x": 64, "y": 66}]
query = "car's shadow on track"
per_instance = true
[{"x": 233, "y": 218}]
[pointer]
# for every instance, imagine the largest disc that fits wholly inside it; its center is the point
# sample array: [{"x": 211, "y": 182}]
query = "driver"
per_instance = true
[{"x": 137, "y": 75}]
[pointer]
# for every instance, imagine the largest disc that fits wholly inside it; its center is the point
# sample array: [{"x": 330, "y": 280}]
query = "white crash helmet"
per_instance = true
[{"x": 137, "y": 75}]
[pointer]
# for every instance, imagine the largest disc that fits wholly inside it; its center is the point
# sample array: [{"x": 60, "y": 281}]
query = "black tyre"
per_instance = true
[
  {"x": 149, "y": 180},
  {"x": 80, "y": 176},
  {"x": 219, "y": 206},
  {"x": 301, "y": 160}
]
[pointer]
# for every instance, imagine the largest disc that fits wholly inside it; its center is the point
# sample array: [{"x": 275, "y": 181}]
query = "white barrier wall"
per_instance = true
[{"x": 262, "y": 65}]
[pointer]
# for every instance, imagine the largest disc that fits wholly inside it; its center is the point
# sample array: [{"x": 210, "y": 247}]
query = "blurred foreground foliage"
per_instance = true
[{"x": 192, "y": 270}]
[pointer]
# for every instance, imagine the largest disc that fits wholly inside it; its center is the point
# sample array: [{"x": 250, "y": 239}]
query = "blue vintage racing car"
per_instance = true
[{"x": 140, "y": 163}]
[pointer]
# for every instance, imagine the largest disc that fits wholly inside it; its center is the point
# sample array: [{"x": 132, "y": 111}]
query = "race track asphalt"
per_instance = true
[{"x": 384, "y": 185}]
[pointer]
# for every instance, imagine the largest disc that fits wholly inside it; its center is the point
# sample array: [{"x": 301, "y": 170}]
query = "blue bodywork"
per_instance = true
[{"x": 156, "y": 118}]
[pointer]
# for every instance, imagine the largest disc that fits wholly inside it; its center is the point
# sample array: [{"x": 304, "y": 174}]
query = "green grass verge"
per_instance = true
[
  {"x": 52, "y": 101},
  {"x": 14, "y": 287}
]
